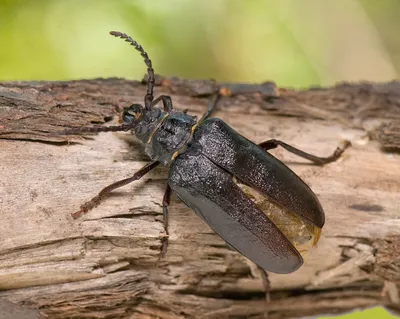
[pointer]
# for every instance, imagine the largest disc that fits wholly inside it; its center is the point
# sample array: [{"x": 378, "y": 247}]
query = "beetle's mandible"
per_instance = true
[{"x": 252, "y": 200}]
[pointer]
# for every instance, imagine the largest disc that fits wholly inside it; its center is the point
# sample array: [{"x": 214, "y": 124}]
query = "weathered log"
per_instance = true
[{"x": 104, "y": 264}]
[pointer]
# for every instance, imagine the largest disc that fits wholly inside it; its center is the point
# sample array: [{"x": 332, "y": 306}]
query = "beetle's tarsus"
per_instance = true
[
  {"x": 87, "y": 207},
  {"x": 78, "y": 213},
  {"x": 341, "y": 148},
  {"x": 164, "y": 240},
  {"x": 337, "y": 153},
  {"x": 273, "y": 143}
]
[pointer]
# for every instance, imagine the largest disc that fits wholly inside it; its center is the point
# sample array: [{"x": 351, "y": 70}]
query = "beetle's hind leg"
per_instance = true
[
  {"x": 267, "y": 288},
  {"x": 106, "y": 190},
  {"x": 270, "y": 144},
  {"x": 165, "y": 204}
]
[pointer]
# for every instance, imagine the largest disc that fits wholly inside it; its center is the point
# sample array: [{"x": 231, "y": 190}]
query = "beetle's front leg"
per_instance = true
[
  {"x": 273, "y": 143},
  {"x": 166, "y": 100},
  {"x": 106, "y": 190}
]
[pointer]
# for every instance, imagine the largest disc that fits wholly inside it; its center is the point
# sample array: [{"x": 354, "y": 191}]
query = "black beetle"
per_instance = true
[{"x": 229, "y": 181}]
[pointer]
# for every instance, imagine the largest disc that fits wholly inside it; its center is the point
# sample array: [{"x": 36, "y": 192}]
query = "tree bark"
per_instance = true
[{"x": 103, "y": 265}]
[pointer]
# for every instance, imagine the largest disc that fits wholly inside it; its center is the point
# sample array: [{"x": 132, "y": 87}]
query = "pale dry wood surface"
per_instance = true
[{"x": 104, "y": 264}]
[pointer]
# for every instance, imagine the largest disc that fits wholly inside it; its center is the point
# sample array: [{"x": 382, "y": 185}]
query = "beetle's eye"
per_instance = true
[{"x": 132, "y": 113}]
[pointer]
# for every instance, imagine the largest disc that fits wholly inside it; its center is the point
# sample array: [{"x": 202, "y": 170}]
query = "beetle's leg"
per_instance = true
[
  {"x": 165, "y": 204},
  {"x": 270, "y": 144},
  {"x": 267, "y": 288},
  {"x": 166, "y": 100},
  {"x": 213, "y": 102},
  {"x": 266, "y": 89},
  {"x": 97, "y": 199}
]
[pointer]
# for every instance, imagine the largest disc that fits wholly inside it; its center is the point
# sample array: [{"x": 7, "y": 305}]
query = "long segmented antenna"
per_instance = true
[
  {"x": 94, "y": 129},
  {"x": 150, "y": 71}
]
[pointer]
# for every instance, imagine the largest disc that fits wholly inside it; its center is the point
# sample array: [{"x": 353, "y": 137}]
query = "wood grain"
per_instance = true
[{"x": 104, "y": 264}]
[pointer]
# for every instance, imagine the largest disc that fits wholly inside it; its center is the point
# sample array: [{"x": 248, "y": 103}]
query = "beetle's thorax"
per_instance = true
[{"x": 164, "y": 134}]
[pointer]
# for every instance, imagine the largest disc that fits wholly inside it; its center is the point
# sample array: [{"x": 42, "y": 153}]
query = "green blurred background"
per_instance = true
[{"x": 296, "y": 43}]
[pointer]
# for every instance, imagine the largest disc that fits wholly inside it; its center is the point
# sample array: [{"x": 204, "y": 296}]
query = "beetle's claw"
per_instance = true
[
  {"x": 164, "y": 246},
  {"x": 346, "y": 144},
  {"x": 341, "y": 148},
  {"x": 79, "y": 213}
]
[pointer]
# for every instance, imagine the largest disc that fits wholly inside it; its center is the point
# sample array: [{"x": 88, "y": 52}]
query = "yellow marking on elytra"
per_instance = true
[
  {"x": 193, "y": 128},
  {"x": 157, "y": 127},
  {"x": 184, "y": 147},
  {"x": 175, "y": 155},
  {"x": 317, "y": 235},
  {"x": 302, "y": 234}
]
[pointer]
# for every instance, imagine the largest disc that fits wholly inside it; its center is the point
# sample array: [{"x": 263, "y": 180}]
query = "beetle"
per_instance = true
[{"x": 232, "y": 183}]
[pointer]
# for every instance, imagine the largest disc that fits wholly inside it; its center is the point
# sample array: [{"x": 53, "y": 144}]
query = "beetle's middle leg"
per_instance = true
[
  {"x": 211, "y": 105},
  {"x": 270, "y": 144},
  {"x": 165, "y": 204},
  {"x": 106, "y": 190}
]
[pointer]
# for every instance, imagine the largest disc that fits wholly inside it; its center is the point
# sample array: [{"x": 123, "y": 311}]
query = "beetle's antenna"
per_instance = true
[
  {"x": 150, "y": 71},
  {"x": 94, "y": 129}
]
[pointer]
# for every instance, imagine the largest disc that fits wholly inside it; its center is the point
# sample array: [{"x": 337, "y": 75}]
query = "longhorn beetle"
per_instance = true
[{"x": 248, "y": 197}]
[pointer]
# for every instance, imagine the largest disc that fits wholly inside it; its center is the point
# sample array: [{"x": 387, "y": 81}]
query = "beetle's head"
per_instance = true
[{"x": 142, "y": 121}]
